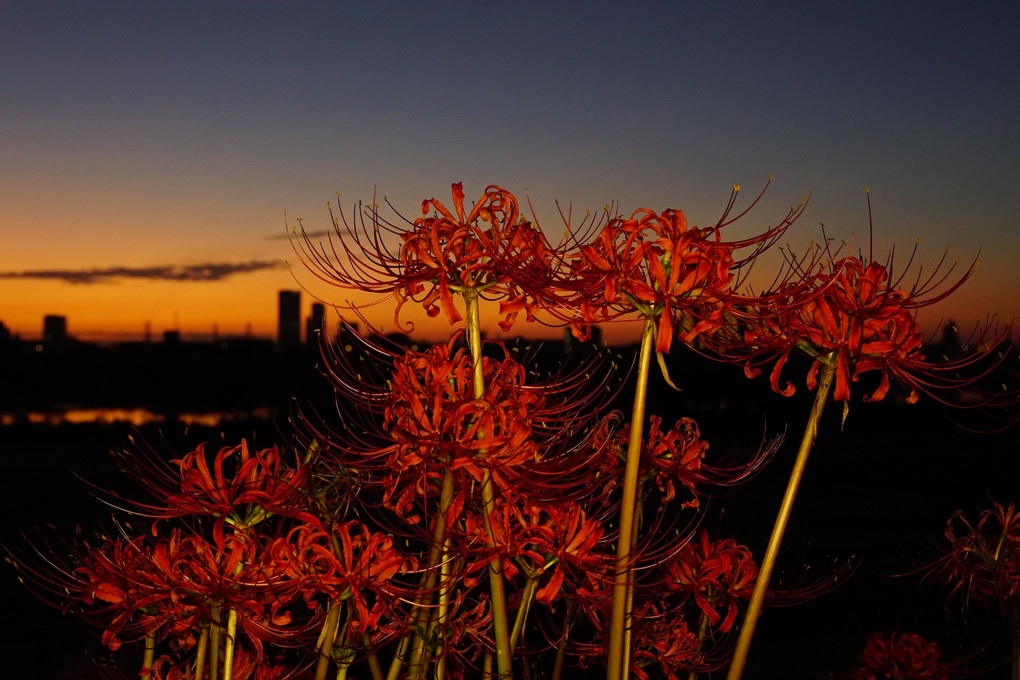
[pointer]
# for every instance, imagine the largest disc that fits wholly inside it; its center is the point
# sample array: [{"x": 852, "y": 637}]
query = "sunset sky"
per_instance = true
[{"x": 151, "y": 154}]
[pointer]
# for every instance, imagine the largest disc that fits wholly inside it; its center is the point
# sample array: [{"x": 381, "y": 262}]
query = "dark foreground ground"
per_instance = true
[{"x": 876, "y": 495}]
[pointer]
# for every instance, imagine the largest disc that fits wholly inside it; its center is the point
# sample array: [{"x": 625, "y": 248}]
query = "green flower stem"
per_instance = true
[
  {"x": 149, "y": 657},
  {"x": 628, "y": 632},
  {"x": 702, "y": 631},
  {"x": 616, "y": 665},
  {"x": 346, "y": 657},
  {"x": 497, "y": 593},
  {"x": 522, "y": 612},
  {"x": 768, "y": 563},
  {"x": 422, "y": 612},
  {"x": 325, "y": 646},
  {"x": 373, "y": 660},
  {"x": 215, "y": 631},
  {"x": 445, "y": 586},
  {"x": 231, "y": 643},
  {"x": 561, "y": 646},
  {"x": 203, "y": 648}
]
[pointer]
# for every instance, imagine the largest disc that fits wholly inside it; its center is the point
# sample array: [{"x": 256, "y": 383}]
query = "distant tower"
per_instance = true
[
  {"x": 289, "y": 331},
  {"x": 54, "y": 328},
  {"x": 315, "y": 324}
]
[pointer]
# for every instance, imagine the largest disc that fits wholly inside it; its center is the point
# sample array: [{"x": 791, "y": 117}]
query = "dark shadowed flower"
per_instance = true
[
  {"x": 983, "y": 562},
  {"x": 901, "y": 656},
  {"x": 662, "y": 642},
  {"x": 718, "y": 575}
]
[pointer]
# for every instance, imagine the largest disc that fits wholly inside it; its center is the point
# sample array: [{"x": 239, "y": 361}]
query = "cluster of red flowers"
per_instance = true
[
  {"x": 236, "y": 537},
  {"x": 455, "y": 463}
]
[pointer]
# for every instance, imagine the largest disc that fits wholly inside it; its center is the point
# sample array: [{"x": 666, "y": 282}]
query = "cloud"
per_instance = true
[
  {"x": 298, "y": 234},
  {"x": 209, "y": 271}
]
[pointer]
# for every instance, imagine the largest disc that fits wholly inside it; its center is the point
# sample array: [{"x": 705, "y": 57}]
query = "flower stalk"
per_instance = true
[
  {"x": 230, "y": 645},
  {"x": 325, "y": 646},
  {"x": 768, "y": 563},
  {"x": 620, "y": 616},
  {"x": 149, "y": 656},
  {"x": 497, "y": 592}
]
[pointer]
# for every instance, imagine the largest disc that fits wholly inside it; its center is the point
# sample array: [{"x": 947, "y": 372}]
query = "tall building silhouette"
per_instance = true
[
  {"x": 54, "y": 328},
  {"x": 315, "y": 324},
  {"x": 289, "y": 329}
]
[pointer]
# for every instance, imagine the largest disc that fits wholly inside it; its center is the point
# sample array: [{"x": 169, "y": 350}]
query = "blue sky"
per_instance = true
[{"x": 154, "y": 135}]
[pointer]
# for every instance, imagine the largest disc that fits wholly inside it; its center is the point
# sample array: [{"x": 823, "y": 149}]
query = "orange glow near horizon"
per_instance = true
[{"x": 243, "y": 304}]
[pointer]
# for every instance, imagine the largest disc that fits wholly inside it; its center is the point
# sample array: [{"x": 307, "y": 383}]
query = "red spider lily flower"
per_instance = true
[
  {"x": 435, "y": 423},
  {"x": 901, "y": 656},
  {"x": 467, "y": 634},
  {"x": 556, "y": 537},
  {"x": 670, "y": 457},
  {"x": 246, "y": 666},
  {"x": 489, "y": 249},
  {"x": 571, "y": 538},
  {"x": 403, "y": 428},
  {"x": 259, "y": 481},
  {"x": 168, "y": 586},
  {"x": 538, "y": 537},
  {"x": 433, "y": 413},
  {"x": 237, "y": 574},
  {"x": 655, "y": 265},
  {"x": 717, "y": 574},
  {"x": 511, "y": 537},
  {"x": 849, "y": 316},
  {"x": 104, "y": 585},
  {"x": 983, "y": 563},
  {"x": 662, "y": 638},
  {"x": 662, "y": 645},
  {"x": 240, "y": 487},
  {"x": 852, "y": 313},
  {"x": 350, "y": 562},
  {"x": 121, "y": 586}
]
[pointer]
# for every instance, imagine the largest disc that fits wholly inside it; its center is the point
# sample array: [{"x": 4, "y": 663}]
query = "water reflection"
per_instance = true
[{"x": 133, "y": 416}]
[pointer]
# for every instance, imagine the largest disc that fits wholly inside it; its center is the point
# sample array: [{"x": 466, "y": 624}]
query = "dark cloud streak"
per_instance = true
[
  {"x": 209, "y": 271},
  {"x": 322, "y": 233}
]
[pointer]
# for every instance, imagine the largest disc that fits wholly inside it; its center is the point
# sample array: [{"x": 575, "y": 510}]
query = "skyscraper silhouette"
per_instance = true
[
  {"x": 289, "y": 331},
  {"x": 314, "y": 325}
]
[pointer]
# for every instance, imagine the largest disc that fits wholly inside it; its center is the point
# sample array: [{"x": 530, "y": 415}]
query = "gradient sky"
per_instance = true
[{"x": 149, "y": 152}]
